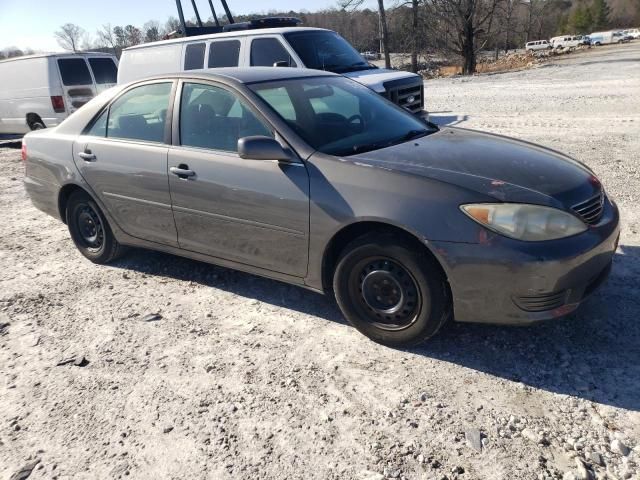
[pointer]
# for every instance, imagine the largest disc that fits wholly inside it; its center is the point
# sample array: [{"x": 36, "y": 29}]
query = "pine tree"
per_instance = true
[{"x": 601, "y": 13}]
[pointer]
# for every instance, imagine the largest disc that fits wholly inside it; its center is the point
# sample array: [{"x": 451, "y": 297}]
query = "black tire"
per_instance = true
[
  {"x": 394, "y": 268},
  {"x": 37, "y": 126},
  {"x": 90, "y": 230}
]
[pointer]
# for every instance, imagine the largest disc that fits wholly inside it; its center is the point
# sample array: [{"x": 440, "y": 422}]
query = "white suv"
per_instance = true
[
  {"x": 298, "y": 47},
  {"x": 537, "y": 45},
  {"x": 566, "y": 41}
]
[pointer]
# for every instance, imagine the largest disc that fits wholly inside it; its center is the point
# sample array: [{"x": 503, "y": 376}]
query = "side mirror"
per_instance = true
[{"x": 259, "y": 147}]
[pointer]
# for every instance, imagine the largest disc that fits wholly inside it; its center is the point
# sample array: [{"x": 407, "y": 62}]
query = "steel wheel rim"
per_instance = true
[
  {"x": 90, "y": 227},
  {"x": 386, "y": 293}
]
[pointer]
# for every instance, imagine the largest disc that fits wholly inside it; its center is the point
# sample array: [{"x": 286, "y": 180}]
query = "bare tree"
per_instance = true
[
  {"x": 69, "y": 36},
  {"x": 133, "y": 35},
  {"x": 151, "y": 31},
  {"x": 507, "y": 20},
  {"x": 384, "y": 31},
  {"x": 414, "y": 36},
  {"x": 120, "y": 36},
  {"x": 171, "y": 27},
  {"x": 469, "y": 24},
  {"x": 106, "y": 38}
]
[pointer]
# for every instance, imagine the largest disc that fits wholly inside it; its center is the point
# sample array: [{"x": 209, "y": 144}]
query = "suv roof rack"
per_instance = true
[
  {"x": 201, "y": 29},
  {"x": 269, "y": 22}
]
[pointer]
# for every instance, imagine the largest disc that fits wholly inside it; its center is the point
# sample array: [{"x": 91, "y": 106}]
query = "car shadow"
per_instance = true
[
  {"x": 447, "y": 120},
  {"x": 593, "y": 354},
  {"x": 10, "y": 141}
]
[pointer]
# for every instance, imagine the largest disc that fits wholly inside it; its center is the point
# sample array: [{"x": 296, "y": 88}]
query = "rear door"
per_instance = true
[
  {"x": 77, "y": 82},
  {"x": 123, "y": 157},
  {"x": 105, "y": 72}
]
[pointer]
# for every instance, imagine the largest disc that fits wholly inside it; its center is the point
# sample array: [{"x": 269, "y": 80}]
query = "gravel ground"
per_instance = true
[{"x": 242, "y": 377}]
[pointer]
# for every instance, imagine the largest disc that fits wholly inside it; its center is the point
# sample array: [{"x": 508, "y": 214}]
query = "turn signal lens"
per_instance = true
[
  {"x": 531, "y": 223},
  {"x": 23, "y": 151}
]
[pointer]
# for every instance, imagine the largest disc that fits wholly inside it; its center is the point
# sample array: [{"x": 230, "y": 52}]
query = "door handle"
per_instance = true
[
  {"x": 182, "y": 171},
  {"x": 87, "y": 156}
]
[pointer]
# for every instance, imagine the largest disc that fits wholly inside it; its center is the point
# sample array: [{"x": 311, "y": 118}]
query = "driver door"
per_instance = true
[{"x": 254, "y": 212}]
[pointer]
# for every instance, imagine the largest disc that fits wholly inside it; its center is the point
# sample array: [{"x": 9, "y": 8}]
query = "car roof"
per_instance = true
[
  {"x": 232, "y": 34},
  {"x": 58, "y": 54},
  {"x": 245, "y": 75}
]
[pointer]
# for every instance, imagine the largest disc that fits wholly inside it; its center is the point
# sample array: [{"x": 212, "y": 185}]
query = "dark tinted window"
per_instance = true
[
  {"x": 194, "y": 56},
  {"x": 211, "y": 117},
  {"x": 140, "y": 114},
  {"x": 224, "y": 54},
  {"x": 74, "y": 71},
  {"x": 326, "y": 51},
  {"x": 267, "y": 51},
  {"x": 104, "y": 70}
]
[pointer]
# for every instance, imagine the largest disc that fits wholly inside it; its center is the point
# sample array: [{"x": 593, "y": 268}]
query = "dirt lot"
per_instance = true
[{"x": 244, "y": 377}]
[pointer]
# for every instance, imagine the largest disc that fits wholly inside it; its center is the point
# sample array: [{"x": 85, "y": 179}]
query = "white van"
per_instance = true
[
  {"x": 566, "y": 41},
  {"x": 301, "y": 47},
  {"x": 604, "y": 38},
  {"x": 39, "y": 91},
  {"x": 632, "y": 32},
  {"x": 537, "y": 45}
]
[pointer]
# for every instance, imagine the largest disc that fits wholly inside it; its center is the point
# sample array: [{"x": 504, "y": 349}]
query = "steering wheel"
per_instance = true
[{"x": 356, "y": 120}]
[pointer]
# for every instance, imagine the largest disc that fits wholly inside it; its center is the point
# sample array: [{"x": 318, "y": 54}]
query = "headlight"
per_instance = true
[{"x": 531, "y": 223}]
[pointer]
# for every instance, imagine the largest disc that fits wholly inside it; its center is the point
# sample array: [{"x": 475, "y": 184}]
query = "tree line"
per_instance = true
[{"x": 456, "y": 30}]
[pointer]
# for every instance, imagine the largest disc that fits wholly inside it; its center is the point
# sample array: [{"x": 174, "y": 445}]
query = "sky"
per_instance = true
[{"x": 32, "y": 23}]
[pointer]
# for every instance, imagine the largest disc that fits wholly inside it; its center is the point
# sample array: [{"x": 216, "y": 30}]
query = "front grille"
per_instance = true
[
  {"x": 591, "y": 209},
  {"x": 407, "y": 93},
  {"x": 541, "y": 302}
]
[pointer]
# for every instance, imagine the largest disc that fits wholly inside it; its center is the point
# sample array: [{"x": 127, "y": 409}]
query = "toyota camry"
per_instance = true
[{"x": 309, "y": 178}]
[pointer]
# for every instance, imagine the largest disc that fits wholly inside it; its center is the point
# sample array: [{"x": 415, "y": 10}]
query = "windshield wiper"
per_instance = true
[
  {"x": 411, "y": 134},
  {"x": 347, "y": 68}
]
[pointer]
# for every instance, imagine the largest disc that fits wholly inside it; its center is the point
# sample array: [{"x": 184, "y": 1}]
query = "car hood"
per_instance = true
[
  {"x": 499, "y": 167},
  {"x": 375, "y": 78}
]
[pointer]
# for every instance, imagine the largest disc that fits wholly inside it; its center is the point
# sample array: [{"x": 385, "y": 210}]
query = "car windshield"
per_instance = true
[
  {"x": 325, "y": 50},
  {"x": 338, "y": 116}
]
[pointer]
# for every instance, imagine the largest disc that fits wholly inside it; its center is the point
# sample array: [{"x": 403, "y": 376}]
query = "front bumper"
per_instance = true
[{"x": 505, "y": 281}]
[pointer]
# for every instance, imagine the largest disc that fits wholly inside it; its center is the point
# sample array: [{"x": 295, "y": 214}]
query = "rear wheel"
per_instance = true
[
  {"x": 37, "y": 126},
  {"x": 90, "y": 230},
  {"x": 391, "y": 291}
]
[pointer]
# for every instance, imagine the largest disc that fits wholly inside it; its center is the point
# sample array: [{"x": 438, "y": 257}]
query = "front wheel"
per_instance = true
[
  {"x": 391, "y": 291},
  {"x": 90, "y": 230}
]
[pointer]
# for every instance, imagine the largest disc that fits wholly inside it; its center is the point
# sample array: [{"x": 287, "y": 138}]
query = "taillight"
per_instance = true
[
  {"x": 58, "y": 104},
  {"x": 24, "y": 151}
]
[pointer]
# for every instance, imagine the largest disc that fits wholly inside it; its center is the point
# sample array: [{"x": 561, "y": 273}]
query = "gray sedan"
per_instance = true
[{"x": 309, "y": 178}]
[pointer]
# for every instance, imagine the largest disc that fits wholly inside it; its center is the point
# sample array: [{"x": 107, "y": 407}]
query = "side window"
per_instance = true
[
  {"x": 74, "y": 71},
  {"x": 140, "y": 114},
  {"x": 279, "y": 99},
  {"x": 99, "y": 127},
  {"x": 224, "y": 54},
  {"x": 194, "y": 56},
  {"x": 211, "y": 117},
  {"x": 104, "y": 70},
  {"x": 267, "y": 51}
]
